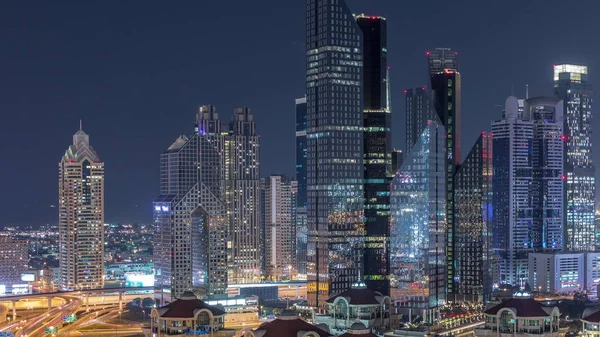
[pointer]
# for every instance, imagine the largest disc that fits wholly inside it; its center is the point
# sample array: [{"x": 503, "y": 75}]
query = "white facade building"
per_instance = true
[
  {"x": 81, "y": 216},
  {"x": 528, "y": 181},
  {"x": 556, "y": 273},
  {"x": 280, "y": 235}
]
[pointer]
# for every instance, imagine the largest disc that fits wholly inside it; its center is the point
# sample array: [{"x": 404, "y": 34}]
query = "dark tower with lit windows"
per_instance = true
[
  {"x": 377, "y": 152},
  {"x": 446, "y": 95}
]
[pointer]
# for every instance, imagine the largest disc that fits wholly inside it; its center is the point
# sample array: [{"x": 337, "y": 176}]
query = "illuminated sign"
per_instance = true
[
  {"x": 139, "y": 280},
  {"x": 162, "y": 208},
  {"x": 2, "y": 289},
  {"x": 29, "y": 277}
]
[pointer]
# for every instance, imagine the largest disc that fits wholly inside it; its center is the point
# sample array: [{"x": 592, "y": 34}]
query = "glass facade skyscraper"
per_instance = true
[
  {"x": 547, "y": 192},
  {"x": 301, "y": 197},
  {"x": 418, "y": 225},
  {"x": 377, "y": 152},
  {"x": 334, "y": 102},
  {"x": 301, "y": 124},
  {"x": 419, "y": 110},
  {"x": 528, "y": 184},
  {"x": 473, "y": 198},
  {"x": 572, "y": 86},
  {"x": 190, "y": 216},
  {"x": 446, "y": 95}
]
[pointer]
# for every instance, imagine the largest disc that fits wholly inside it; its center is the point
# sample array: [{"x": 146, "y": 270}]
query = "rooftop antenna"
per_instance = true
[
  {"x": 526, "y": 91},
  {"x": 80, "y": 125}
]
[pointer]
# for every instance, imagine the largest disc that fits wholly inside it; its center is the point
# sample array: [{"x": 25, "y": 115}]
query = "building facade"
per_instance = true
[
  {"x": 190, "y": 216},
  {"x": 419, "y": 110},
  {"x": 242, "y": 197},
  {"x": 81, "y": 216},
  {"x": 511, "y": 200},
  {"x": 14, "y": 260},
  {"x": 547, "y": 192},
  {"x": 280, "y": 233},
  {"x": 377, "y": 151},
  {"x": 334, "y": 103},
  {"x": 572, "y": 86},
  {"x": 473, "y": 200},
  {"x": 446, "y": 94},
  {"x": 557, "y": 273},
  {"x": 528, "y": 184},
  {"x": 302, "y": 195},
  {"x": 418, "y": 225}
]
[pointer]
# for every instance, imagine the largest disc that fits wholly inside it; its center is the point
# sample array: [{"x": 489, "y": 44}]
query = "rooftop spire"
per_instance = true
[{"x": 80, "y": 125}]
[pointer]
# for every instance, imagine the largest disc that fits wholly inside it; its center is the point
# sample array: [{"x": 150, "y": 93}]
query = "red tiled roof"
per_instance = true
[
  {"x": 357, "y": 335},
  {"x": 289, "y": 327},
  {"x": 183, "y": 308},
  {"x": 358, "y": 296},
  {"x": 591, "y": 316},
  {"x": 525, "y": 307}
]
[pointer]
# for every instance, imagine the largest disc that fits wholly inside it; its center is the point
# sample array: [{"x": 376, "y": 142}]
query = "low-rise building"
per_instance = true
[
  {"x": 357, "y": 304},
  {"x": 288, "y": 324},
  {"x": 590, "y": 323},
  {"x": 188, "y": 315},
  {"x": 521, "y": 316}
]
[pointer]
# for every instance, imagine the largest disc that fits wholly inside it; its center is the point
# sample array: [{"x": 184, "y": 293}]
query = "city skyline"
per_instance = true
[{"x": 57, "y": 97}]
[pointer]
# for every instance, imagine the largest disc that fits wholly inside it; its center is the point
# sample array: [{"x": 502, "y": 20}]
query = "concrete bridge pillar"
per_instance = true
[
  {"x": 14, "y": 310},
  {"x": 120, "y": 301},
  {"x": 49, "y": 303}
]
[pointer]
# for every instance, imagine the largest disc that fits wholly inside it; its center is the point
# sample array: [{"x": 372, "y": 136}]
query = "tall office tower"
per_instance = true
[
  {"x": 242, "y": 185},
  {"x": 419, "y": 110},
  {"x": 397, "y": 157},
  {"x": 14, "y": 260},
  {"x": 301, "y": 125},
  {"x": 527, "y": 184},
  {"x": 571, "y": 85},
  {"x": 377, "y": 152},
  {"x": 473, "y": 198},
  {"x": 511, "y": 198},
  {"x": 418, "y": 225},
  {"x": 190, "y": 218},
  {"x": 263, "y": 226},
  {"x": 280, "y": 234},
  {"x": 546, "y": 113},
  {"x": 334, "y": 103},
  {"x": 446, "y": 95},
  {"x": 81, "y": 216},
  {"x": 301, "y": 198}
]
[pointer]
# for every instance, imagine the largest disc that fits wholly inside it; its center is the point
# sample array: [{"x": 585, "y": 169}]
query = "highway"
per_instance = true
[{"x": 91, "y": 322}]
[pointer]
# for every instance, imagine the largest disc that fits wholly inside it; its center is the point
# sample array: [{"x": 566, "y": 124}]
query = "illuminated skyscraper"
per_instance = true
[
  {"x": 572, "y": 86},
  {"x": 81, "y": 216},
  {"x": 335, "y": 137},
  {"x": 418, "y": 225},
  {"x": 377, "y": 152},
  {"x": 419, "y": 110},
  {"x": 302, "y": 196},
  {"x": 280, "y": 233},
  {"x": 473, "y": 198},
  {"x": 446, "y": 95},
  {"x": 190, "y": 218},
  {"x": 527, "y": 184},
  {"x": 547, "y": 193},
  {"x": 242, "y": 195}
]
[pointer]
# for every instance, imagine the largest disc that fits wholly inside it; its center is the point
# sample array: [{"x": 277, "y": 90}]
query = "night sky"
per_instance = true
[{"x": 136, "y": 71}]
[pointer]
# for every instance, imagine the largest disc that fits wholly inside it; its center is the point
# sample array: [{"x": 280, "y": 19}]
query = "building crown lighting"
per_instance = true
[{"x": 569, "y": 68}]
